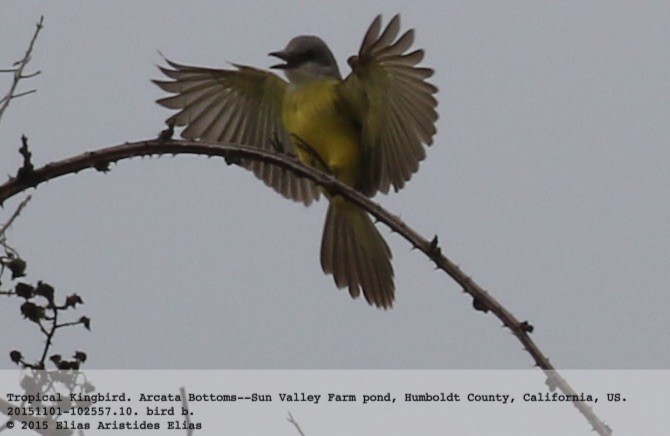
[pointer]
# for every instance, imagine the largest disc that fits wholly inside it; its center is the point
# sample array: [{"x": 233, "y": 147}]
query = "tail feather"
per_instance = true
[{"x": 354, "y": 252}]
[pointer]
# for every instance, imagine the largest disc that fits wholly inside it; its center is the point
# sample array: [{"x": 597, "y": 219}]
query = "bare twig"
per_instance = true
[
  {"x": 187, "y": 417},
  {"x": 16, "y": 213},
  {"x": 18, "y": 72},
  {"x": 294, "y": 422},
  {"x": 11, "y": 260},
  {"x": 482, "y": 300}
]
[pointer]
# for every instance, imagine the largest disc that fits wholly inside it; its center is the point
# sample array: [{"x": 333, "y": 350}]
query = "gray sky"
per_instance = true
[{"x": 548, "y": 183}]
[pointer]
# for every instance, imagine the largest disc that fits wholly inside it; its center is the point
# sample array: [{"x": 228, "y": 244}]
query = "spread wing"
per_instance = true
[
  {"x": 388, "y": 93},
  {"x": 242, "y": 106}
]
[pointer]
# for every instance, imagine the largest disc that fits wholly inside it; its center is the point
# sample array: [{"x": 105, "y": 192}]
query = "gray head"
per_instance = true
[{"x": 307, "y": 58}]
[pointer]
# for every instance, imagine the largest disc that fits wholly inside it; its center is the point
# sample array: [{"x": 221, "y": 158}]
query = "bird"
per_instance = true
[{"x": 369, "y": 130}]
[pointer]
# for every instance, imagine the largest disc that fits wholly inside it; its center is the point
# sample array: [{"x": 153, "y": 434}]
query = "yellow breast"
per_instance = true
[{"x": 313, "y": 115}]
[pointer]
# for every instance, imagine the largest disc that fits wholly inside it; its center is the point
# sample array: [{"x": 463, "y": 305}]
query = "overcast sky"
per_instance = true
[{"x": 548, "y": 183}]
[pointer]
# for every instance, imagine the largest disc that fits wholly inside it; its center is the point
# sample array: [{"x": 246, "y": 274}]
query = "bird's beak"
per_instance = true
[{"x": 281, "y": 55}]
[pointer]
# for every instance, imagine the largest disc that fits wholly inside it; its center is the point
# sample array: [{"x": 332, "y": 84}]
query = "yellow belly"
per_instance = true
[{"x": 311, "y": 115}]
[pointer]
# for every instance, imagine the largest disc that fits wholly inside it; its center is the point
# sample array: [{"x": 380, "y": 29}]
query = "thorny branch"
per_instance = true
[
  {"x": 482, "y": 300},
  {"x": 100, "y": 160}
]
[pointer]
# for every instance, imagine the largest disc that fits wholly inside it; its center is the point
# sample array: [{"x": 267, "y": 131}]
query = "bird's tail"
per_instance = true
[{"x": 354, "y": 252}]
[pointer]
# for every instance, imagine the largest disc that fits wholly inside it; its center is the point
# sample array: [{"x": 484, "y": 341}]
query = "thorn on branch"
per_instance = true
[
  {"x": 527, "y": 327},
  {"x": 232, "y": 159},
  {"x": 166, "y": 134},
  {"x": 27, "y": 168},
  {"x": 103, "y": 167},
  {"x": 434, "y": 249},
  {"x": 479, "y": 305}
]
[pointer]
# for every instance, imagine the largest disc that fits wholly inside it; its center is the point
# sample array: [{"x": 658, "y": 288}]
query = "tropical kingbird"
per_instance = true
[{"x": 367, "y": 130}]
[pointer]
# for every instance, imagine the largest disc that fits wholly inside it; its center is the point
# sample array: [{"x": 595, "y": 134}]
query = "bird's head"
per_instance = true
[{"x": 307, "y": 58}]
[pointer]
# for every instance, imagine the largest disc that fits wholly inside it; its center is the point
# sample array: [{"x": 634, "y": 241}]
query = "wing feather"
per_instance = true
[
  {"x": 240, "y": 105},
  {"x": 401, "y": 45},
  {"x": 394, "y": 104},
  {"x": 388, "y": 35}
]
